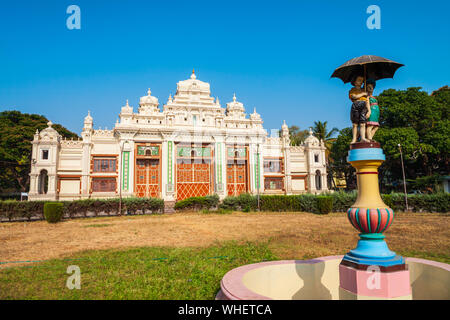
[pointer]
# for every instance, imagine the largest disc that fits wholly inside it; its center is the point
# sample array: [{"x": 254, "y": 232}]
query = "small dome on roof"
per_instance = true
[
  {"x": 235, "y": 106},
  {"x": 255, "y": 115},
  {"x": 127, "y": 108},
  {"x": 149, "y": 100},
  {"x": 88, "y": 118},
  {"x": 192, "y": 85},
  {"x": 49, "y": 134},
  {"x": 312, "y": 139}
]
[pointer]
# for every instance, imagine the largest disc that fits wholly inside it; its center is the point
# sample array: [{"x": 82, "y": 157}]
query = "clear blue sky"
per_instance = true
[{"x": 276, "y": 55}]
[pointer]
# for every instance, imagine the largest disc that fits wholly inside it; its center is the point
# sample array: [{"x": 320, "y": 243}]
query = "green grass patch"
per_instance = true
[
  {"x": 140, "y": 273},
  {"x": 218, "y": 211}
]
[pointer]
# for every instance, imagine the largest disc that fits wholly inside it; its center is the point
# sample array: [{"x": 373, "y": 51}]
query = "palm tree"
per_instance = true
[{"x": 321, "y": 132}]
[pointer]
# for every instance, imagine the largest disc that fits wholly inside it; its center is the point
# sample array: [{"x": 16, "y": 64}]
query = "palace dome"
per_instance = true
[
  {"x": 193, "y": 85},
  {"x": 312, "y": 139},
  {"x": 88, "y": 118},
  {"x": 127, "y": 109},
  {"x": 49, "y": 134},
  {"x": 235, "y": 109},
  {"x": 148, "y": 100}
]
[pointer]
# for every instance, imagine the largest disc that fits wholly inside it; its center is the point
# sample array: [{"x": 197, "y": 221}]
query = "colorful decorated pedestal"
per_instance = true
[{"x": 371, "y": 269}]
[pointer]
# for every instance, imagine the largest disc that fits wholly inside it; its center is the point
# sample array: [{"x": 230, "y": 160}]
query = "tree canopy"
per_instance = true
[
  {"x": 16, "y": 133},
  {"x": 297, "y": 136}
]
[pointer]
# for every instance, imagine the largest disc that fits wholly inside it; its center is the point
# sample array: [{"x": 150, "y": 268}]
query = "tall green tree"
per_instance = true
[
  {"x": 425, "y": 137},
  {"x": 321, "y": 132},
  {"x": 16, "y": 133}
]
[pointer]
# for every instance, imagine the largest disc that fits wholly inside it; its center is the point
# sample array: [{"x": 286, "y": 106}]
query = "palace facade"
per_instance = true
[{"x": 193, "y": 147}]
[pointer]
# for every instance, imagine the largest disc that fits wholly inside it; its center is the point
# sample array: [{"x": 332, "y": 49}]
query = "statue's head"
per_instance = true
[
  {"x": 357, "y": 81},
  {"x": 370, "y": 83}
]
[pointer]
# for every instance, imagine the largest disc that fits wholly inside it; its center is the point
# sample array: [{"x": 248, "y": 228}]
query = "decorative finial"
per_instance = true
[
  {"x": 127, "y": 103},
  {"x": 49, "y": 123},
  {"x": 89, "y": 112},
  {"x": 234, "y": 97},
  {"x": 310, "y": 131},
  {"x": 149, "y": 92},
  {"x": 193, "y": 74},
  {"x": 217, "y": 100},
  {"x": 37, "y": 131},
  {"x": 254, "y": 110}
]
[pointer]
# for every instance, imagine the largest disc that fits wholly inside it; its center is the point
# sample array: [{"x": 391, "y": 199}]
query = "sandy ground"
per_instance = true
[{"x": 292, "y": 234}]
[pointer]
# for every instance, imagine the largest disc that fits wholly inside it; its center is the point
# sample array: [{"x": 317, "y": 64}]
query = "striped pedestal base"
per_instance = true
[{"x": 375, "y": 220}]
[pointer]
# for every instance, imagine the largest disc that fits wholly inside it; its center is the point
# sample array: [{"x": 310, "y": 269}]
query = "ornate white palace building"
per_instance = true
[{"x": 194, "y": 147}]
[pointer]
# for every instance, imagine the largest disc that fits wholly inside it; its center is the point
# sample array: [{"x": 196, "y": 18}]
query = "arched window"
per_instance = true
[
  {"x": 43, "y": 182},
  {"x": 318, "y": 180},
  {"x": 316, "y": 158}
]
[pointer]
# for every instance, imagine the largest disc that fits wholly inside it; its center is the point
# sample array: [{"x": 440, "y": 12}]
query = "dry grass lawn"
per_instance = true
[{"x": 289, "y": 235}]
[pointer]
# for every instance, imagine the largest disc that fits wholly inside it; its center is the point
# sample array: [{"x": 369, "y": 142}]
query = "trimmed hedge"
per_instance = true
[
  {"x": 306, "y": 203},
  {"x": 12, "y": 210},
  {"x": 197, "y": 203},
  {"x": 111, "y": 206},
  {"x": 34, "y": 210},
  {"x": 324, "y": 204},
  {"x": 244, "y": 202},
  {"x": 53, "y": 211}
]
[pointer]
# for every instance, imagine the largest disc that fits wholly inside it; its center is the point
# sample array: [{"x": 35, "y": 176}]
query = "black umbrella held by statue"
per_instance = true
[{"x": 367, "y": 66}]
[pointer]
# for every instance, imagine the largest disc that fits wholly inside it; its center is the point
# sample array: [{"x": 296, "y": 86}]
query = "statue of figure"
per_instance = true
[
  {"x": 372, "y": 122},
  {"x": 360, "y": 110}
]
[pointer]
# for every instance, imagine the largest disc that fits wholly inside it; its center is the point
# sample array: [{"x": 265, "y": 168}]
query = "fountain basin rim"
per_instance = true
[
  {"x": 233, "y": 288},
  {"x": 232, "y": 280}
]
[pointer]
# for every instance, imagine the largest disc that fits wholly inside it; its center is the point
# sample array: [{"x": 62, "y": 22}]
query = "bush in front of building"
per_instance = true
[
  {"x": 53, "y": 211},
  {"x": 244, "y": 202},
  {"x": 434, "y": 202},
  {"x": 230, "y": 203},
  {"x": 111, "y": 206},
  {"x": 11, "y": 210},
  {"x": 24, "y": 210},
  {"x": 144, "y": 205},
  {"x": 198, "y": 203},
  {"x": 343, "y": 200},
  {"x": 278, "y": 203},
  {"x": 304, "y": 202},
  {"x": 324, "y": 204}
]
